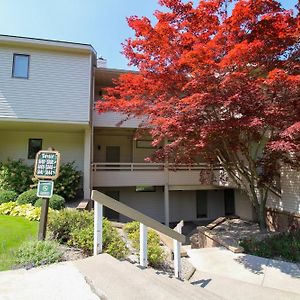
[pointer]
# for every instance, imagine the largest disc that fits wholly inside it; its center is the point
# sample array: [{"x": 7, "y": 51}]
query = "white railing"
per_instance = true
[
  {"x": 101, "y": 200},
  {"x": 111, "y": 166}
]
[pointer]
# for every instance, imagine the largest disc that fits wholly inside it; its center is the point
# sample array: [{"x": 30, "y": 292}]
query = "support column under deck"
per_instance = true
[
  {"x": 167, "y": 205},
  {"x": 87, "y": 164}
]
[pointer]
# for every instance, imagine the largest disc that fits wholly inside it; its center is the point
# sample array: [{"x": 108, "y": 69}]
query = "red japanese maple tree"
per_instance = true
[{"x": 218, "y": 82}]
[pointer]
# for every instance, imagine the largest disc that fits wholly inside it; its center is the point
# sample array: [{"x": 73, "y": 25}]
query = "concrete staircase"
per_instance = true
[{"x": 113, "y": 279}]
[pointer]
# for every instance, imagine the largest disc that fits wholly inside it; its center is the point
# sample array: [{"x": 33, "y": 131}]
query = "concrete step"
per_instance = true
[
  {"x": 230, "y": 289},
  {"x": 113, "y": 279}
]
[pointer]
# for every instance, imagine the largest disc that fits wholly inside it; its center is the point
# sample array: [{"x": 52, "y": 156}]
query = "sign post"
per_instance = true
[{"x": 46, "y": 168}]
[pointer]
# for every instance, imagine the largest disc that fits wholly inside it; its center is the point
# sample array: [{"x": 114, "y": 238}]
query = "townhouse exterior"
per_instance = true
[{"x": 47, "y": 94}]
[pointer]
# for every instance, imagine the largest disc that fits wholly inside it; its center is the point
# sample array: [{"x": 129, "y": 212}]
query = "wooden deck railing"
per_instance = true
[
  {"x": 101, "y": 200},
  {"x": 133, "y": 166}
]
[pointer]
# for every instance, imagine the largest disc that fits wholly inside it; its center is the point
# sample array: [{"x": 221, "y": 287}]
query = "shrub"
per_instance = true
[
  {"x": 113, "y": 244},
  {"x": 76, "y": 228},
  {"x": 37, "y": 253},
  {"x": 285, "y": 246},
  {"x": 28, "y": 197},
  {"x": 15, "y": 176},
  {"x": 67, "y": 184},
  {"x": 62, "y": 223},
  {"x": 55, "y": 202},
  {"x": 156, "y": 255},
  {"x": 7, "y": 196},
  {"x": 132, "y": 227},
  {"x": 25, "y": 210},
  {"x": 6, "y": 208}
]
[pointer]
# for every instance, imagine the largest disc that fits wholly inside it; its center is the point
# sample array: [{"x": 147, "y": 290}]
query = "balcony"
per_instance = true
[{"x": 106, "y": 174}]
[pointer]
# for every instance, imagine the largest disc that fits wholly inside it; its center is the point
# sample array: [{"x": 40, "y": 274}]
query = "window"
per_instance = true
[
  {"x": 20, "y": 66},
  {"x": 145, "y": 188},
  {"x": 34, "y": 146},
  {"x": 201, "y": 197},
  {"x": 144, "y": 144}
]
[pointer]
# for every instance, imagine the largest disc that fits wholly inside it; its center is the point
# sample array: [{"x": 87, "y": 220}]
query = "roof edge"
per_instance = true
[{"x": 47, "y": 42}]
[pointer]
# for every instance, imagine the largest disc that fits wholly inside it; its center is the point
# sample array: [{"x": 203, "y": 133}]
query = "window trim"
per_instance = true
[
  {"x": 29, "y": 140},
  {"x": 13, "y": 66}
]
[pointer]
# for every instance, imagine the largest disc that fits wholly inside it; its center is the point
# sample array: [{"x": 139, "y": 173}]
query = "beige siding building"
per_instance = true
[{"x": 47, "y": 95}]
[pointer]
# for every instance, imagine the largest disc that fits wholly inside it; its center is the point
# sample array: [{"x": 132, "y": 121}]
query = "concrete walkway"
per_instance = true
[
  {"x": 221, "y": 270},
  {"x": 94, "y": 278},
  {"x": 60, "y": 281}
]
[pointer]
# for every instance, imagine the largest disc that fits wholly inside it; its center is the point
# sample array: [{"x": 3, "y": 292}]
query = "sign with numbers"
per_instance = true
[
  {"x": 47, "y": 165},
  {"x": 45, "y": 188}
]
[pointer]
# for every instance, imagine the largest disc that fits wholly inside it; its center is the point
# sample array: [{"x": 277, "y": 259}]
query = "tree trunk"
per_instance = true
[
  {"x": 262, "y": 212},
  {"x": 262, "y": 216}
]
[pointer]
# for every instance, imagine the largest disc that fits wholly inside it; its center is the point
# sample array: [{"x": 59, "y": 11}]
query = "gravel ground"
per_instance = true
[{"x": 70, "y": 253}]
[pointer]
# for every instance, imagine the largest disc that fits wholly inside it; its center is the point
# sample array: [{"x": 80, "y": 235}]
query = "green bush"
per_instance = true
[
  {"x": 285, "y": 246},
  {"x": 156, "y": 255},
  {"x": 7, "y": 196},
  {"x": 55, "y": 202},
  {"x": 28, "y": 197},
  {"x": 37, "y": 253},
  {"x": 25, "y": 210},
  {"x": 132, "y": 227},
  {"x": 15, "y": 176},
  {"x": 67, "y": 184},
  {"x": 62, "y": 223},
  {"x": 6, "y": 208},
  {"x": 113, "y": 244},
  {"x": 76, "y": 228}
]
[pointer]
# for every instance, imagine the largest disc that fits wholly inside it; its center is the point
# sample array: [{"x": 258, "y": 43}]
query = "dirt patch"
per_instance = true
[{"x": 70, "y": 253}]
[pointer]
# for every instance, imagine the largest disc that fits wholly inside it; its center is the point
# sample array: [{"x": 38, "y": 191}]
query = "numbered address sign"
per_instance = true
[{"x": 47, "y": 165}]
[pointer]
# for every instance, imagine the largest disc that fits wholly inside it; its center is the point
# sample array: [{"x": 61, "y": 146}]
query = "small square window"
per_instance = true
[
  {"x": 147, "y": 144},
  {"x": 20, "y": 66},
  {"x": 34, "y": 146},
  {"x": 145, "y": 188}
]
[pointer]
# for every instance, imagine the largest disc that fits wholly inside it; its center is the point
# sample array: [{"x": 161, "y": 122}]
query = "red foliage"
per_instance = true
[{"x": 213, "y": 81}]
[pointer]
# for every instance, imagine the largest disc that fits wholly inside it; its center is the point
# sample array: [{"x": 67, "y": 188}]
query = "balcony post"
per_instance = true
[
  {"x": 167, "y": 205},
  {"x": 87, "y": 163},
  {"x": 166, "y": 189}
]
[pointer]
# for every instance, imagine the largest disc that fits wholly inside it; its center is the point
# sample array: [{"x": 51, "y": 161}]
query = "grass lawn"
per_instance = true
[{"x": 13, "y": 232}]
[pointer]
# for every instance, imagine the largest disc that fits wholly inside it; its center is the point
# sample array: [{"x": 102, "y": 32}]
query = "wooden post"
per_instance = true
[
  {"x": 176, "y": 251},
  {"x": 177, "y": 262},
  {"x": 44, "y": 219},
  {"x": 98, "y": 224},
  {"x": 143, "y": 245},
  {"x": 167, "y": 205}
]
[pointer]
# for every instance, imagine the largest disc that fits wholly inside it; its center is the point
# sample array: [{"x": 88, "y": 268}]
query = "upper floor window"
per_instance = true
[{"x": 20, "y": 66}]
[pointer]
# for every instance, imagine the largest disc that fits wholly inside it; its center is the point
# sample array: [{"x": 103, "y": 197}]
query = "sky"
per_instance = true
[{"x": 101, "y": 23}]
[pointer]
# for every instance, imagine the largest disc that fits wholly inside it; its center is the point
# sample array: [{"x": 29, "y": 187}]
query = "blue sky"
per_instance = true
[{"x": 101, "y": 23}]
